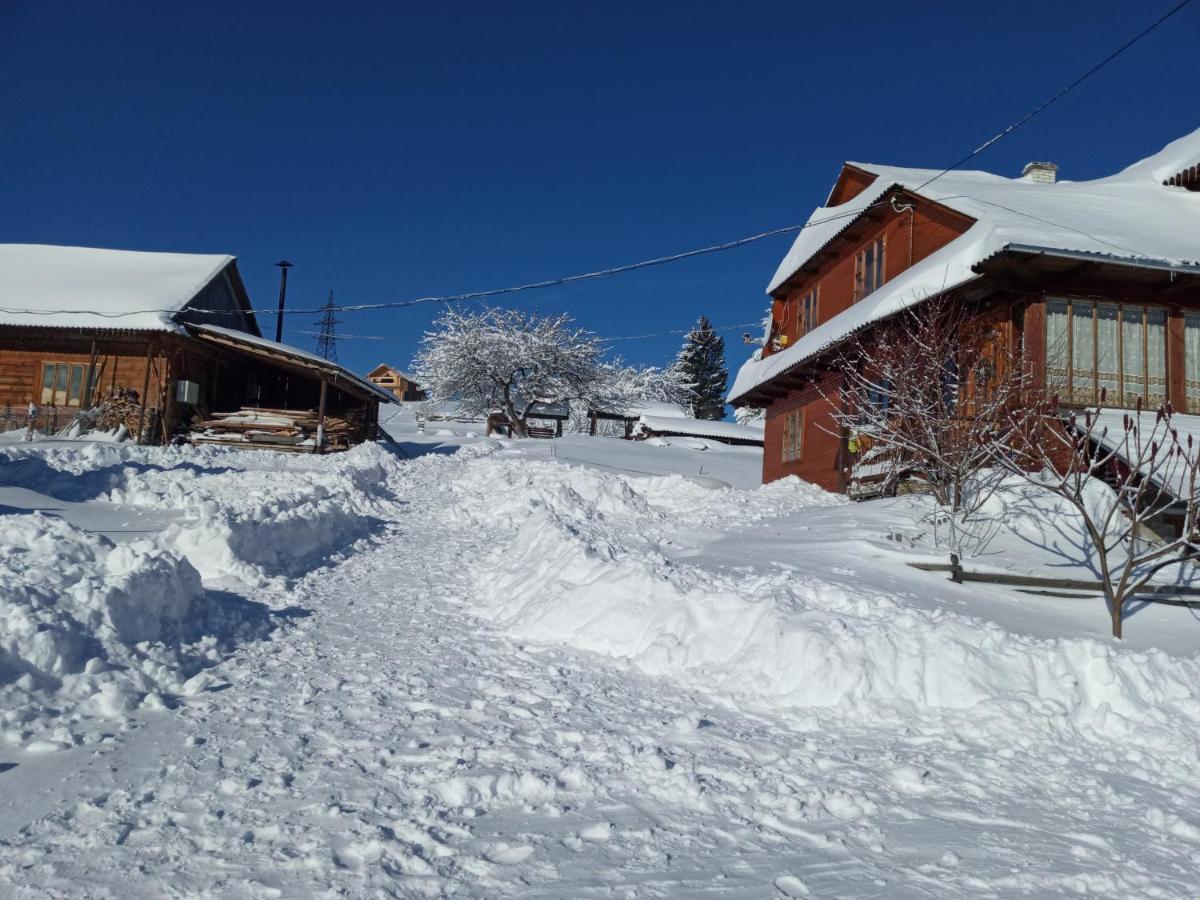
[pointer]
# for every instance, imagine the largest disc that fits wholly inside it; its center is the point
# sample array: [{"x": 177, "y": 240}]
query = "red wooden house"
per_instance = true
[{"x": 1095, "y": 284}]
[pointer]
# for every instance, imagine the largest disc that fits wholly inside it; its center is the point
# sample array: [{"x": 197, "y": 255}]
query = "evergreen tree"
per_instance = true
[{"x": 701, "y": 365}]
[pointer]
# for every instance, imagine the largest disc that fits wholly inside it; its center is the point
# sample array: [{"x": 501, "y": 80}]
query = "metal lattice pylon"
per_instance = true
[{"x": 327, "y": 340}]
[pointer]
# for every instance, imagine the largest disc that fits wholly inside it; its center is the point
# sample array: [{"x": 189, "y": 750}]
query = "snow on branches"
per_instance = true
[{"x": 507, "y": 360}]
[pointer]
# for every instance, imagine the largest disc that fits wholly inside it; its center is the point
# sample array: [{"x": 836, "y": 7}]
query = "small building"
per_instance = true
[
  {"x": 625, "y": 417},
  {"x": 169, "y": 340},
  {"x": 674, "y": 426},
  {"x": 398, "y": 382},
  {"x": 544, "y": 420}
]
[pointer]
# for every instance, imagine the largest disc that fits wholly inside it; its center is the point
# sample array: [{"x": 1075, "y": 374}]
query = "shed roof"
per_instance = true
[
  {"x": 86, "y": 287},
  {"x": 1131, "y": 216},
  {"x": 289, "y": 355},
  {"x": 704, "y": 428}
]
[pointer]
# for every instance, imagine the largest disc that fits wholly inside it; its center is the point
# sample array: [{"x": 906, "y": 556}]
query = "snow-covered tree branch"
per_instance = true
[{"x": 507, "y": 360}]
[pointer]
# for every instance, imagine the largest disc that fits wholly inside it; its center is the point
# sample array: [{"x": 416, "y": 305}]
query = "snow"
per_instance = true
[
  {"x": 84, "y": 287},
  {"x": 1109, "y": 430},
  {"x": 701, "y": 428},
  {"x": 658, "y": 408},
  {"x": 489, "y": 668},
  {"x": 1129, "y": 215}
]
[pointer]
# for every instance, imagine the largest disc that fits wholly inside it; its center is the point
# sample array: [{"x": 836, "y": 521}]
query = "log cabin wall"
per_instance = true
[{"x": 121, "y": 362}]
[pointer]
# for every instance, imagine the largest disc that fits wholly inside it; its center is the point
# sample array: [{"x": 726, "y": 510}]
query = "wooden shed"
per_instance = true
[{"x": 156, "y": 342}]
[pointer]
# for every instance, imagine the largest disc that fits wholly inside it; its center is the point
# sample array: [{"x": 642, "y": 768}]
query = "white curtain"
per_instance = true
[
  {"x": 1108, "y": 351},
  {"x": 1191, "y": 359},
  {"x": 1083, "y": 361},
  {"x": 1057, "y": 347},
  {"x": 1133, "y": 352},
  {"x": 1156, "y": 357}
]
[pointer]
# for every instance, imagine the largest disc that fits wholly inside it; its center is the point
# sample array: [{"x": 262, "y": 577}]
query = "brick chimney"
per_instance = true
[{"x": 1041, "y": 172}]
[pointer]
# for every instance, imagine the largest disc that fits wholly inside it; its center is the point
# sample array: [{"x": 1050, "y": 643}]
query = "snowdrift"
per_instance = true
[
  {"x": 90, "y": 630},
  {"x": 253, "y": 517},
  {"x": 584, "y": 568}
]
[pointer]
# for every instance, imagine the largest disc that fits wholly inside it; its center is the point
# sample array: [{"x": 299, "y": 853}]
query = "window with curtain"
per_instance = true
[
  {"x": 1191, "y": 360},
  {"x": 1120, "y": 349}
]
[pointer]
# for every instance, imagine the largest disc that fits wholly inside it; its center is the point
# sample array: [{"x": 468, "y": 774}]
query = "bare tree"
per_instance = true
[
  {"x": 508, "y": 360},
  {"x": 1151, "y": 468},
  {"x": 919, "y": 394}
]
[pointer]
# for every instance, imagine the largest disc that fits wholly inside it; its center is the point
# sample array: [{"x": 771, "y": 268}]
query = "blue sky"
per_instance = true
[{"x": 397, "y": 150}]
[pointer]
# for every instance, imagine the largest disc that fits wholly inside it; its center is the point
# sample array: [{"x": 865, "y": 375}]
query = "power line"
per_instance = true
[
  {"x": 661, "y": 260},
  {"x": 1005, "y": 132}
]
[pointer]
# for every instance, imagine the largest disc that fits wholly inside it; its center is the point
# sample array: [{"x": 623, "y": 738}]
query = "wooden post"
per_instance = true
[
  {"x": 558, "y": 427},
  {"x": 321, "y": 417},
  {"x": 90, "y": 386},
  {"x": 592, "y": 426},
  {"x": 145, "y": 388}
]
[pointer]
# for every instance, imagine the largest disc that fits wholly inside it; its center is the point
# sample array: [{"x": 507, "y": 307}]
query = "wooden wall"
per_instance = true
[{"x": 822, "y": 450}]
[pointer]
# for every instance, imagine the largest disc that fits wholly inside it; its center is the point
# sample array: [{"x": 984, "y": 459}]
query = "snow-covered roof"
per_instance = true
[
  {"x": 86, "y": 287},
  {"x": 1130, "y": 216},
  {"x": 1170, "y": 473},
  {"x": 658, "y": 408},
  {"x": 705, "y": 428},
  {"x": 266, "y": 346}
]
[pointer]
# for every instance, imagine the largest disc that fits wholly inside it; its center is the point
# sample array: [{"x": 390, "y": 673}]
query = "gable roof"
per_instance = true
[
  {"x": 86, "y": 287},
  {"x": 384, "y": 367},
  {"x": 1130, "y": 216}
]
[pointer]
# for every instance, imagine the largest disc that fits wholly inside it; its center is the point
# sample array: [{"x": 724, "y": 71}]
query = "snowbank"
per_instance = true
[
  {"x": 91, "y": 631},
  {"x": 584, "y": 569},
  {"x": 251, "y": 516}
]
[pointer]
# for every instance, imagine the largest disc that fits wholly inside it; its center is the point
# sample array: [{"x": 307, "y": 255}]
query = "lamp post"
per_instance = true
[{"x": 284, "y": 265}]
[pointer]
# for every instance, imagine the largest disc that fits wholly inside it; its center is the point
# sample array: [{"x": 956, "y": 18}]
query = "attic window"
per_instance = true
[
  {"x": 1189, "y": 178},
  {"x": 868, "y": 269}
]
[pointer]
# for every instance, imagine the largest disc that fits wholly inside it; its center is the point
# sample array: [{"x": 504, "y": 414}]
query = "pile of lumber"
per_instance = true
[{"x": 277, "y": 429}]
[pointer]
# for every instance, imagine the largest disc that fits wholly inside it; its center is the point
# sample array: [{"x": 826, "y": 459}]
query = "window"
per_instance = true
[
  {"x": 808, "y": 313},
  {"x": 1191, "y": 360},
  {"x": 793, "y": 435},
  {"x": 868, "y": 269},
  {"x": 1120, "y": 349},
  {"x": 62, "y": 384}
]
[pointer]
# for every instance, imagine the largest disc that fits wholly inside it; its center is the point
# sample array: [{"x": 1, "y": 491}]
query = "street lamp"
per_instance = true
[{"x": 284, "y": 265}]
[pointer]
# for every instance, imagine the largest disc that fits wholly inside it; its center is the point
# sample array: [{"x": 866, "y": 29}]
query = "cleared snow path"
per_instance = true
[{"x": 385, "y": 742}]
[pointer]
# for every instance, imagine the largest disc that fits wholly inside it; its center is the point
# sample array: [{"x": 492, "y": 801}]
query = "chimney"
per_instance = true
[{"x": 1041, "y": 172}]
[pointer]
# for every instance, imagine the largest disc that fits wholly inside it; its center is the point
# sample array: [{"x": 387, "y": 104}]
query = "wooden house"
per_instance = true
[
  {"x": 171, "y": 335},
  {"x": 1094, "y": 284},
  {"x": 400, "y": 383}
]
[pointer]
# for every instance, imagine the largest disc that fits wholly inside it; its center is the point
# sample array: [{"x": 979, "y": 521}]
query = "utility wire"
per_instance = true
[
  {"x": 661, "y": 260},
  {"x": 1005, "y": 132}
]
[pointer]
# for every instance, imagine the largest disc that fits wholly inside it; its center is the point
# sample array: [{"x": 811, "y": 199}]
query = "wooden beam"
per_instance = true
[{"x": 321, "y": 418}]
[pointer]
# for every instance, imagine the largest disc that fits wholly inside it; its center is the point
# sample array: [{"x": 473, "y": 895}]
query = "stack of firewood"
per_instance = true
[
  {"x": 121, "y": 407},
  {"x": 276, "y": 428}
]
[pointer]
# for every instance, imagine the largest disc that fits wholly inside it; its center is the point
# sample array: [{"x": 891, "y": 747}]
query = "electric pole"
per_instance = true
[{"x": 284, "y": 265}]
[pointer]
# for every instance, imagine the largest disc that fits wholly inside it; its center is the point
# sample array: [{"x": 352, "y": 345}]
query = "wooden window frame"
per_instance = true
[
  {"x": 809, "y": 305},
  {"x": 76, "y": 373},
  {"x": 793, "y": 436},
  {"x": 879, "y": 245},
  {"x": 1119, "y": 401}
]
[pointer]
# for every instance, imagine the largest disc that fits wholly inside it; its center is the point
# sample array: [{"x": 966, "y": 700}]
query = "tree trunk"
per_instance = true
[{"x": 1117, "y": 607}]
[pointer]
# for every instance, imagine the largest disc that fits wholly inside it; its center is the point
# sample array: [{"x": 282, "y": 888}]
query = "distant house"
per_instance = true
[
  {"x": 1094, "y": 284},
  {"x": 673, "y": 426},
  {"x": 627, "y": 415},
  {"x": 403, "y": 385},
  {"x": 172, "y": 335}
]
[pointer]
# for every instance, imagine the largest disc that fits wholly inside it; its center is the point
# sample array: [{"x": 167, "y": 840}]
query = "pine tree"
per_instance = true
[
  {"x": 701, "y": 364},
  {"x": 327, "y": 340}
]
